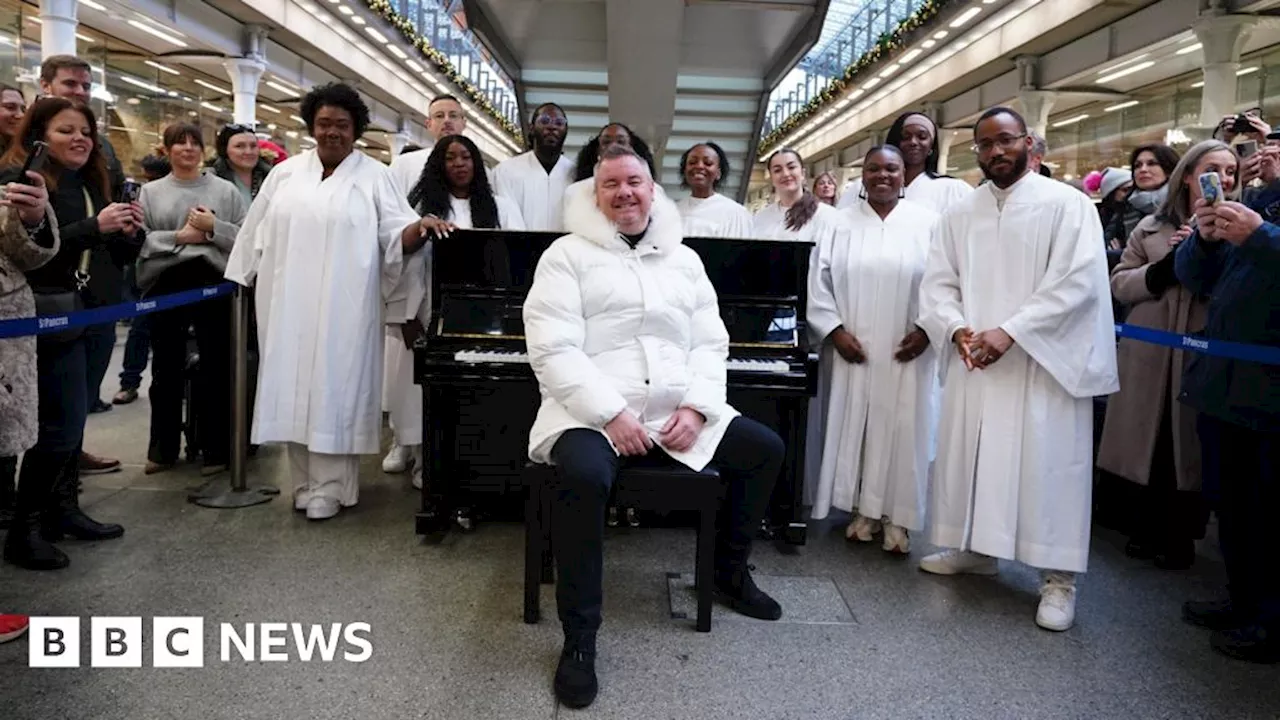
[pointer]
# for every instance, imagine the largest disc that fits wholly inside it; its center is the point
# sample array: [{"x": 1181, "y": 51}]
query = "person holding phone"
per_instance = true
[
  {"x": 75, "y": 172},
  {"x": 1232, "y": 258},
  {"x": 192, "y": 218}
]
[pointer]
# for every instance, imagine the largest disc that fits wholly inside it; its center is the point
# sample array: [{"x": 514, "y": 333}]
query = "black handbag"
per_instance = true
[{"x": 69, "y": 301}]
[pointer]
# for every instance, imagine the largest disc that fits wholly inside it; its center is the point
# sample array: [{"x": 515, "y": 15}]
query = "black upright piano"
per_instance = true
[{"x": 480, "y": 396}]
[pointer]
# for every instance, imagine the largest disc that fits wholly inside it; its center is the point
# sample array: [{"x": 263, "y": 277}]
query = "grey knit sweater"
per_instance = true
[{"x": 165, "y": 204}]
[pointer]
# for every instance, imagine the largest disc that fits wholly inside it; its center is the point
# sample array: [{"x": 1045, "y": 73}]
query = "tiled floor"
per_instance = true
[{"x": 866, "y": 635}]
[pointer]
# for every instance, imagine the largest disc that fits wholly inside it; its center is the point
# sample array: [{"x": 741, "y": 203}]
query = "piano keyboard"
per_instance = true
[{"x": 475, "y": 357}]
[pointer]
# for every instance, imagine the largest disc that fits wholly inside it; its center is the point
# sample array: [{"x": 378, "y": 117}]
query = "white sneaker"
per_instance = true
[
  {"x": 322, "y": 508},
  {"x": 397, "y": 461},
  {"x": 1057, "y": 605},
  {"x": 862, "y": 529},
  {"x": 960, "y": 562},
  {"x": 896, "y": 539},
  {"x": 417, "y": 476}
]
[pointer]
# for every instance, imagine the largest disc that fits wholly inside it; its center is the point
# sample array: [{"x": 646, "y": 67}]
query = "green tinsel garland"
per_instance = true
[
  {"x": 441, "y": 62},
  {"x": 887, "y": 45}
]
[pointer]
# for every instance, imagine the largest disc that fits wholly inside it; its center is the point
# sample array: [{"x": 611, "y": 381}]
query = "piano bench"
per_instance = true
[{"x": 644, "y": 484}]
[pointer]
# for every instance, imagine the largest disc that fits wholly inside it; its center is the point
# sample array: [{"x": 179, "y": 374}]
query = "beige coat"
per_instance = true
[
  {"x": 1147, "y": 371},
  {"x": 18, "y": 389}
]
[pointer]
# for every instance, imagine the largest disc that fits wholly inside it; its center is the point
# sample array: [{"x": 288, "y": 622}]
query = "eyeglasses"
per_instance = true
[
  {"x": 549, "y": 121},
  {"x": 1006, "y": 142}
]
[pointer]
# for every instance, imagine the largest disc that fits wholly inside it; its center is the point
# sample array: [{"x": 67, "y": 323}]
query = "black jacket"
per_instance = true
[{"x": 110, "y": 253}]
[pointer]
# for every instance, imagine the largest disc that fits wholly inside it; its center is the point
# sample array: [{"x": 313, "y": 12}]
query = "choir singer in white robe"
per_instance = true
[
  {"x": 1017, "y": 284},
  {"x": 862, "y": 303},
  {"x": 536, "y": 180},
  {"x": 707, "y": 213},
  {"x": 324, "y": 240}
]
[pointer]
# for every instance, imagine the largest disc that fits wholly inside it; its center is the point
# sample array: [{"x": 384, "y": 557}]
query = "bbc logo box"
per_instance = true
[{"x": 116, "y": 642}]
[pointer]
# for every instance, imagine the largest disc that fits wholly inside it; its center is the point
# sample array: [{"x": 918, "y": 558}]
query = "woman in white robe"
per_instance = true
[
  {"x": 324, "y": 241},
  {"x": 916, "y": 137},
  {"x": 796, "y": 214},
  {"x": 863, "y": 303},
  {"x": 707, "y": 213},
  {"x": 452, "y": 192}
]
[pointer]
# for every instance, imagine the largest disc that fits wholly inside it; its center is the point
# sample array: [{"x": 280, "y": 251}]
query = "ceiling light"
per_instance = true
[
  {"x": 1189, "y": 49},
  {"x": 143, "y": 85},
  {"x": 940, "y": 34},
  {"x": 871, "y": 83},
  {"x": 358, "y": 20},
  {"x": 156, "y": 33},
  {"x": 161, "y": 68},
  {"x": 1117, "y": 66},
  {"x": 888, "y": 71},
  {"x": 346, "y": 10},
  {"x": 268, "y": 108},
  {"x": 281, "y": 88},
  {"x": 85, "y": 38},
  {"x": 93, "y": 5},
  {"x": 1121, "y": 106},
  {"x": 1197, "y": 84},
  {"x": 1127, "y": 71},
  {"x": 910, "y": 55},
  {"x": 210, "y": 106},
  {"x": 928, "y": 43},
  {"x": 362, "y": 143},
  {"x": 965, "y": 17},
  {"x": 290, "y": 133},
  {"x": 211, "y": 86},
  {"x": 134, "y": 101},
  {"x": 414, "y": 66},
  {"x": 295, "y": 118},
  {"x": 373, "y": 33},
  {"x": 1246, "y": 71},
  {"x": 1070, "y": 121}
]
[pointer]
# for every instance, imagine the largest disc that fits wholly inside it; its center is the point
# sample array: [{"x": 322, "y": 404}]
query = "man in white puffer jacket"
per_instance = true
[{"x": 624, "y": 333}]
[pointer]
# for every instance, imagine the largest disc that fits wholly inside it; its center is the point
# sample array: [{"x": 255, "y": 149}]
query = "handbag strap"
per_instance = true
[{"x": 82, "y": 270}]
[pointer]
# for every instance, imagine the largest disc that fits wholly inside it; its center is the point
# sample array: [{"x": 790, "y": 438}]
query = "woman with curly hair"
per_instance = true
[{"x": 325, "y": 242}]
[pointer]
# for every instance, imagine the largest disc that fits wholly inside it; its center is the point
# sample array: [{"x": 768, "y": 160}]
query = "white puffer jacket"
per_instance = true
[{"x": 610, "y": 328}]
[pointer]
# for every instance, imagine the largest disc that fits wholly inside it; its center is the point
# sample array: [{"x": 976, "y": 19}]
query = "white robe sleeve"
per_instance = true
[
  {"x": 941, "y": 307},
  {"x": 738, "y": 224},
  {"x": 509, "y": 216},
  {"x": 242, "y": 265},
  {"x": 394, "y": 215},
  {"x": 1057, "y": 325},
  {"x": 823, "y": 314},
  {"x": 708, "y": 354},
  {"x": 555, "y": 329}
]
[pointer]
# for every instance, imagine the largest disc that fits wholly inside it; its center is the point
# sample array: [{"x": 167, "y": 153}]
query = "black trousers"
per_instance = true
[
  {"x": 748, "y": 458},
  {"x": 1242, "y": 475},
  {"x": 169, "y": 334}
]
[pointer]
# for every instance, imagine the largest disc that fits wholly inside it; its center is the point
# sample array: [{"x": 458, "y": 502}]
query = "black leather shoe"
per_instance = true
[
  {"x": 740, "y": 593},
  {"x": 1252, "y": 643},
  {"x": 74, "y": 522},
  {"x": 1212, "y": 614},
  {"x": 24, "y": 547},
  {"x": 576, "y": 685}
]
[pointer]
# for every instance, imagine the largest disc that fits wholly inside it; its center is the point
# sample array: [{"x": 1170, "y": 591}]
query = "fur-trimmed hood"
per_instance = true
[{"x": 583, "y": 218}]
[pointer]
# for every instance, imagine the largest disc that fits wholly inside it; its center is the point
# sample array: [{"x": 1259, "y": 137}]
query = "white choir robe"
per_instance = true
[
  {"x": 714, "y": 217},
  {"x": 406, "y": 169},
  {"x": 770, "y": 223},
  {"x": 538, "y": 194},
  {"x": 938, "y": 194},
  {"x": 401, "y": 397},
  {"x": 1014, "y": 472},
  {"x": 324, "y": 255},
  {"x": 875, "y": 452}
]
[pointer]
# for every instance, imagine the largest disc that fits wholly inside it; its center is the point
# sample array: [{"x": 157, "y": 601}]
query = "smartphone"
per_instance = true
[
  {"x": 129, "y": 192},
  {"x": 35, "y": 160},
  {"x": 1246, "y": 148},
  {"x": 1211, "y": 188}
]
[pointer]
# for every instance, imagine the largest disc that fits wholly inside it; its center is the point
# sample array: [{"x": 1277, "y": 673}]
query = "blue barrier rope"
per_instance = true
[
  {"x": 1264, "y": 354},
  {"x": 44, "y": 324}
]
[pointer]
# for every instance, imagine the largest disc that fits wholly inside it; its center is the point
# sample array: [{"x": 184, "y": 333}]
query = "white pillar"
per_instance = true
[
  {"x": 1036, "y": 106},
  {"x": 245, "y": 74},
  {"x": 1223, "y": 38},
  {"x": 58, "y": 27},
  {"x": 944, "y": 140}
]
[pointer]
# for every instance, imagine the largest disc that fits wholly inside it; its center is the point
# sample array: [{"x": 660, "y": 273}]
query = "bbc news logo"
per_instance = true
[{"x": 179, "y": 642}]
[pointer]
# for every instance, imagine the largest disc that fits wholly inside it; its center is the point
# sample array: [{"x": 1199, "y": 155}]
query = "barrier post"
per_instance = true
[{"x": 239, "y": 494}]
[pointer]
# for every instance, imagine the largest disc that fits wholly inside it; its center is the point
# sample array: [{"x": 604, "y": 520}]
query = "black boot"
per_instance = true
[
  {"x": 24, "y": 546},
  {"x": 576, "y": 685},
  {"x": 8, "y": 490},
  {"x": 64, "y": 516},
  {"x": 735, "y": 588}
]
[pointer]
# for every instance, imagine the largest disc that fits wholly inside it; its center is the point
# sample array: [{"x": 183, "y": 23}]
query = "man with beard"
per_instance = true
[
  {"x": 1017, "y": 283},
  {"x": 537, "y": 180}
]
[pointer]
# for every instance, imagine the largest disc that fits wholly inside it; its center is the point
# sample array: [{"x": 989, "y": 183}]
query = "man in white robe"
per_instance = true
[
  {"x": 324, "y": 241},
  {"x": 445, "y": 116},
  {"x": 537, "y": 180},
  {"x": 1017, "y": 287}
]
